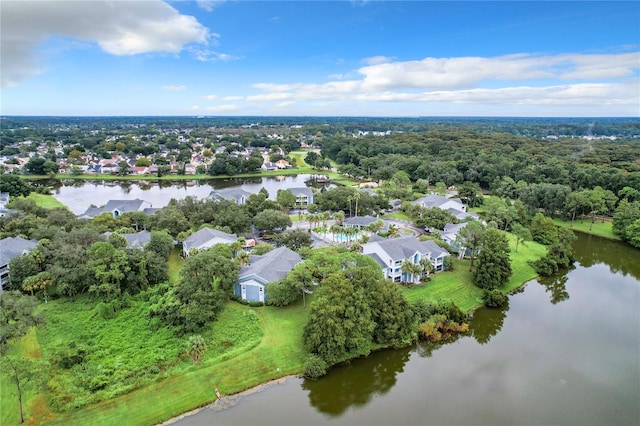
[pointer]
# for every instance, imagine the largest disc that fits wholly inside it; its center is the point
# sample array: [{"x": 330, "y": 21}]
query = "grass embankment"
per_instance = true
[
  {"x": 45, "y": 200},
  {"x": 246, "y": 347},
  {"x": 599, "y": 228},
  {"x": 458, "y": 287}
]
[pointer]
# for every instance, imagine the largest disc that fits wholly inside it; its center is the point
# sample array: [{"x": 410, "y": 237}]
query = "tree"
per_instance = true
[
  {"x": 25, "y": 373},
  {"x": 269, "y": 220},
  {"x": 469, "y": 193},
  {"x": 521, "y": 233},
  {"x": 160, "y": 243},
  {"x": 391, "y": 313},
  {"x": 38, "y": 282},
  {"x": 196, "y": 347},
  {"x": 123, "y": 168},
  {"x": 410, "y": 269},
  {"x": 110, "y": 266},
  {"x": 543, "y": 230},
  {"x": 15, "y": 186},
  {"x": 340, "y": 321},
  {"x": 294, "y": 239},
  {"x": 17, "y": 315},
  {"x": 626, "y": 215},
  {"x": 286, "y": 199},
  {"x": 494, "y": 265},
  {"x": 470, "y": 238},
  {"x": 21, "y": 267}
]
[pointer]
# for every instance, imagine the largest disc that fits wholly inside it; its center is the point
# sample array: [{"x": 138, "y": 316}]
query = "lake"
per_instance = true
[
  {"x": 565, "y": 351},
  {"x": 78, "y": 195}
]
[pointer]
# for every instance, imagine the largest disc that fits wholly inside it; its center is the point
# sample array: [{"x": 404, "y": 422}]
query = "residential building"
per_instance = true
[
  {"x": 238, "y": 195},
  {"x": 116, "y": 208},
  {"x": 359, "y": 222},
  {"x": 137, "y": 240},
  {"x": 206, "y": 238},
  {"x": 9, "y": 248},
  {"x": 4, "y": 200},
  {"x": 304, "y": 196},
  {"x": 270, "y": 267},
  {"x": 391, "y": 253},
  {"x": 444, "y": 203}
]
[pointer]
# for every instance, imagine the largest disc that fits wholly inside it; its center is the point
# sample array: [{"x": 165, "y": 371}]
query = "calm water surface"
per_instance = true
[
  {"x": 79, "y": 195},
  {"x": 566, "y": 351}
]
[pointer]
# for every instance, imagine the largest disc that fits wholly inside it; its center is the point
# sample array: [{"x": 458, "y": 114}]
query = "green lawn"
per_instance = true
[
  {"x": 599, "y": 228},
  {"x": 458, "y": 287},
  {"x": 46, "y": 201},
  {"x": 398, "y": 215},
  {"x": 279, "y": 353}
]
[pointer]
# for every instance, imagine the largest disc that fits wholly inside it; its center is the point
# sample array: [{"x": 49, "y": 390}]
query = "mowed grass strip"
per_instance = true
[
  {"x": 599, "y": 228},
  {"x": 458, "y": 287},
  {"x": 46, "y": 201},
  {"x": 279, "y": 353}
]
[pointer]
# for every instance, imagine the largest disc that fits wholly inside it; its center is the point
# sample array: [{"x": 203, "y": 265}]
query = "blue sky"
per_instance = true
[{"x": 319, "y": 58}]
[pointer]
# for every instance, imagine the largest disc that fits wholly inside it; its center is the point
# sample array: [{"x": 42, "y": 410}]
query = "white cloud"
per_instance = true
[
  {"x": 377, "y": 60},
  {"x": 118, "y": 27},
  {"x": 175, "y": 88},
  {"x": 209, "y": 5},
  {"x": 233, "y": 98},
  {"x": 211, "y": 97},
  {"x": 521, "y": 79},
  {"x": 206, "y": 55}
]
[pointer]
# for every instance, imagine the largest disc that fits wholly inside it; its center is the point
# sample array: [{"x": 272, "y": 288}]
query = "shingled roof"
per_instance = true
[{"x": 273, "y": 265}]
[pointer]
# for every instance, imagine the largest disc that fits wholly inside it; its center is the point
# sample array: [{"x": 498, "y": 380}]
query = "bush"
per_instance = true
[
  {"x": 546, "y": 266},
  {"x": 314, "y": 367},
  {"x": 494, "y": 298},
  {"x": 256, "y": 304}
]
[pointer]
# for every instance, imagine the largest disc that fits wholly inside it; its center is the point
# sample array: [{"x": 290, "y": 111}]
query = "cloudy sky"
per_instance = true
[{"x": 319, "y": 58}]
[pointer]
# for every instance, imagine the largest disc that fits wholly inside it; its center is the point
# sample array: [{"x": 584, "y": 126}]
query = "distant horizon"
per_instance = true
[
  {"x": 324, "y": 116},
  {"x": 348, "y": 58}
]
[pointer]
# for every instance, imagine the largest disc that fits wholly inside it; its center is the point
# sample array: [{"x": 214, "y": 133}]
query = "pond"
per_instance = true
[
  {"x": 78, "y": 195},
  {"x": 565, "y": 351}
]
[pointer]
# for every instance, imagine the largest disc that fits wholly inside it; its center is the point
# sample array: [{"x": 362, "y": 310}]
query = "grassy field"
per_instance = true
[
  {"x": 457, "y": 286},
  {"x": 46, "y": 201},
  {"x": 246, "y": 347},
  {"x": 601, "y": 229}
]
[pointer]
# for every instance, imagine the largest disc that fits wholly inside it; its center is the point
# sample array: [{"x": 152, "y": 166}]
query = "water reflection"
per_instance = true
[
  {"x": 349, "y": 386},
  {"x": 556, "y": 284},
  {"x": 619, "y": 256},
  {"x": 486, "y": 323}
]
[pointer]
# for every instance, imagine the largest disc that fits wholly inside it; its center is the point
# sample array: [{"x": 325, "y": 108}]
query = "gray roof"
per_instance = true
[
  {"x": 123, "y": 206},
  {"x": 151, "y": 210},
  {"x": 205, "y": 235},
  {"x": 462, "y": 215},
  {"x": 360, "y": 220},
  {"x": 453, "y": 228},
  {"x": 138, "y": 239},
  {"x": 403, "y": 247},
  {"x": 374, "y": 238},
  {"x": 12, "y": 247},
  {"x": 303, "y": 190},
  {"x": 273, "y": 265},
  {"x": 377, "y": 259},
  {"x": 433, "y": 200},
  {"x": 435, "y": 250},
  {"x": 229, "y": 193}
]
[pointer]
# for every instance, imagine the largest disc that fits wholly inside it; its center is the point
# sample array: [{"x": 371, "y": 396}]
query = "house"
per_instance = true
[
  {"x": 4, "y": 200},
  {"x": 444, "y": 203},
  {"x": 462, "y": 215},
  {"x": 116, "y": 207},
  {"x": 391, "y": 253},
  {"x": 206, "y": 238},
  {"x": 137, "y": 240},
  {"x": 267, "y": 165},
  {"x": 238, "y": 195},
  {"x": 359, "y": 222},
  {"x": 269, "y": 267},
  {"x": 304, "y": 196},
  {"x": 9, "y": 248},
  {"x": 282, "y": 164}
]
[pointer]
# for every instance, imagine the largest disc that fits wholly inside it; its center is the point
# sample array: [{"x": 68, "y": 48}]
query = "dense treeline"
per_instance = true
[{"x": 455, "y": 156}]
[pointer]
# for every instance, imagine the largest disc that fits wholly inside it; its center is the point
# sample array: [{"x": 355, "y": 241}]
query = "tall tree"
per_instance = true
[
  {"x": 24, "y": 373},
  {"x": 17, "y": 315},
  {"x": 470, "y": 238},
  {"x": 110, "y": 266},
  {"x": 494, "y": 265}
]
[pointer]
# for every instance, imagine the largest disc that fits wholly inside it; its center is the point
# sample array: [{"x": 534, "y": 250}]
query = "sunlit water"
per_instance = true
[{"x": 566, "y": 351}]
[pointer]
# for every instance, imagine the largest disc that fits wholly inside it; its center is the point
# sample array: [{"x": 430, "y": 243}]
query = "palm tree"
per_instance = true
[
  {"x": 427, "y": 266},
  {"x": 336, "y": 229},
  {"x": 410, "y": 268},
  {"x": 356, "y": 198},
  {"x": 393, "y": 230},
  {"x": 339, "y": 216}
]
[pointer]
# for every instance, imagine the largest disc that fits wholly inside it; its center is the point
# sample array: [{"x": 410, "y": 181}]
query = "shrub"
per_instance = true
[
  {"x": 494, "y": 298},
  {"x": 314, "y": 367}
]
